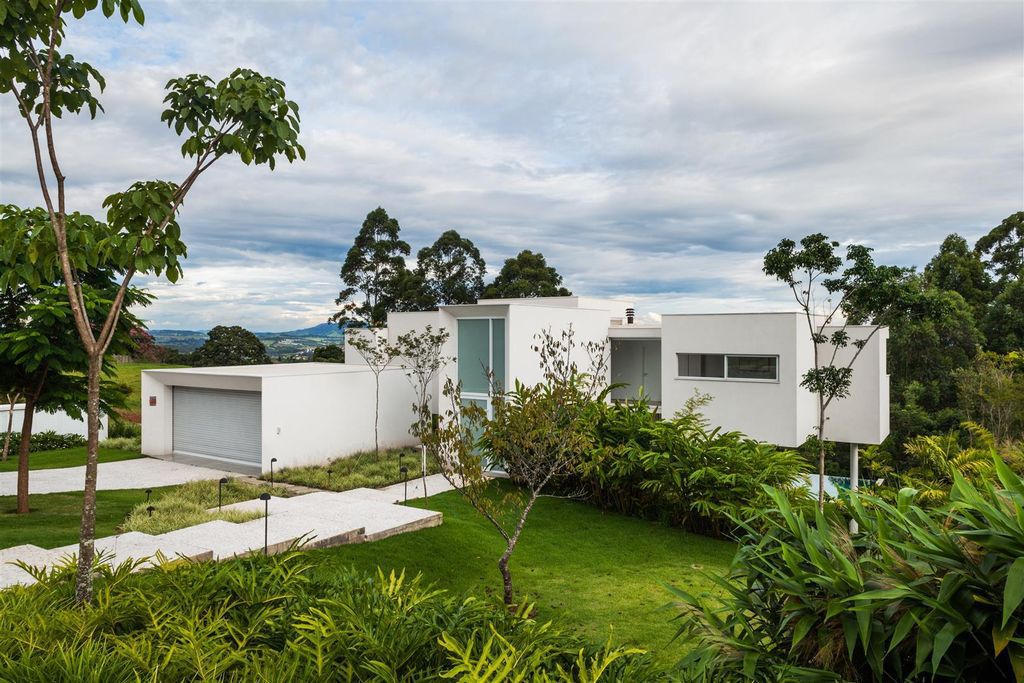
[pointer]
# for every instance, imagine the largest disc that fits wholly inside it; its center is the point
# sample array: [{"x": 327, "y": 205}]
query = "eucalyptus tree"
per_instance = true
[
  {"x": 245, "y": 114},
  {"x": 453, "y": 269},
  {"x": 373, "y": 269},
  {"x": 834, "y": 292},
  {"x": 527, "y": 274},
  {"x": 1003, "y": 249}
]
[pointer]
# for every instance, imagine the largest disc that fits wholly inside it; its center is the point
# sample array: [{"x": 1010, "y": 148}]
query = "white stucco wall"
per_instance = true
[
  {"x": 59, "y": 422},
  {"x": 525, "y": 322},
  {"x": 767, "y": 411},
  {"x": 863, "y": 416}
]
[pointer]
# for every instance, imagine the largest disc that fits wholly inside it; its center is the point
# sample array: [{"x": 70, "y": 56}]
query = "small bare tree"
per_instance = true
[
  {"x": 536, "y": 434},
  {"x": 378, "y": 355},
  {"x": 12, "y": 398},
  {"x": 420, "y": 356}
]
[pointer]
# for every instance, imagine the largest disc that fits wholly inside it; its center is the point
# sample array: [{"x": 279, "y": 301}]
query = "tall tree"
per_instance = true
[
  {"x": 834, "y": 292},
  {"x": 373, "y": 267},
  {"x": 453, "y": 269},
  {"x": 1004, "y": 322},
  {"x": 230, "y": 345},
  {"x": 1003, "y": 248},
  {"x": 245, "y": 114},
  {"x": 956, "y": 268},
  {"x": 526, "y": 275}
]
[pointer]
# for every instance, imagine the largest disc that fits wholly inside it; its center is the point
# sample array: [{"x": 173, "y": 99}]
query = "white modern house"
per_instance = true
[{"x": 750, "y": 364}]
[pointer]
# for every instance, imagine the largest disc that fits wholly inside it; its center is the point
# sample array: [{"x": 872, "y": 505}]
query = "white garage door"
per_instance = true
[{"x": 218, "y": 423}]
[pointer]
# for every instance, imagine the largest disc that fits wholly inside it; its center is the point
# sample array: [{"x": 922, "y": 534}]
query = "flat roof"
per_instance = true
[{"x": 271, "y": 370}]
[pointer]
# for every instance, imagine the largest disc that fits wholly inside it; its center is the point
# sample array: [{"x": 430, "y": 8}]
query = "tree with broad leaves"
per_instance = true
[
  {"x": 453, "y": 269},
  {"x": 956, "y": 268},
  {"x": 245, "y": 114},
  {"x": 1003, "y": 248},
  {"x": 536, "y": 435},
  {"x": 378, "y": 354},
  {"x": 330, "y": 353},
  {"x": 373, "y": 266},
  {"x": 526, "y": 275},
  {"x": 834, "y": 292},
  {"x": 421, "y": 355},
  {"x": 230, "y": 345}
]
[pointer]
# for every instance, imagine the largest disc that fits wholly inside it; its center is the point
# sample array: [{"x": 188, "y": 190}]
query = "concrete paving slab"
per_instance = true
[
  {"x": 30, "y": 554},
  {"x": 140, "y": 473},
  {"x": 276, "y": 504},
  {"x": 134, "y": 545},
  {"x": 11, "y": 575},
  {"x": 436, "y": 483}
]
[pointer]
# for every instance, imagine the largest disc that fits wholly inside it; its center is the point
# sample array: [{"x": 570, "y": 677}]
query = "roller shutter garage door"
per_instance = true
[{"x": 218, "y": 423}]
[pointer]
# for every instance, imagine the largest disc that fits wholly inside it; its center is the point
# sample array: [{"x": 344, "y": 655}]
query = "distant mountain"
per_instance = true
[{"x": 294, "y": 342}]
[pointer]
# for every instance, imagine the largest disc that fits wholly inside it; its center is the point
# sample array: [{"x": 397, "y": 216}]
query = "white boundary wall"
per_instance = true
[{"x": 59, "y": 422}]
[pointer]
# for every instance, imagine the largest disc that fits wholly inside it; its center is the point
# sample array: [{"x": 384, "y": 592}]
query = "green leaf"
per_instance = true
[
  {"x": 1013, "y": 593},
  {"x": 943, "y": 639}
]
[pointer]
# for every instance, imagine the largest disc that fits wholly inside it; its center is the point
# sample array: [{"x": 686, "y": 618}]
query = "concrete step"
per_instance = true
[
  {"x": 378, "y": 519},
  {"x": 32, "y": 555},
  {"x": 11, "y": 575},
  {"x": 135, "y": 545},
  {"x": 228, "y": 539},
  {"x": 275, "y": 504}
]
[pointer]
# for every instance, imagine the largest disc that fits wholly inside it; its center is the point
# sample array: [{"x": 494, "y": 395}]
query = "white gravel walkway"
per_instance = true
[{"x": 140, "y": 473}]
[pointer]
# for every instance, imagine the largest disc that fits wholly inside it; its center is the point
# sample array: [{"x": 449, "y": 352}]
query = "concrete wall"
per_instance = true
[
  {"x": 59, "y": 422},
  {"x": 525, "y": 322},
  {"x": 863, "y": 416},
  {"x": 310, "y": 419},
  {"x": 630, "y": 359},
  {"x": 767, "y": 411}
]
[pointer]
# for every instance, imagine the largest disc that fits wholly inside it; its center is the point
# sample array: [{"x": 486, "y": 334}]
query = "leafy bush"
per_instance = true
[
  {"x": 189, "y": 504},
  {"x": 119, "y": 428},
  {"x": 272, "y": 619},
  {"x": 48, "y": 440},
  {"x": 682, "y": 472},
  {"x": 920, "y": 594},
  {"x": 362, "y": 470},
  {"x": 123, "y": 443}
]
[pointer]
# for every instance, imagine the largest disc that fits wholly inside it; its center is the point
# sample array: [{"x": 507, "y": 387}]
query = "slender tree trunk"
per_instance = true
[
  {"x": 87, "y": 533},
  {"x": 376, "y": 415},
  {"x": 510, "y": 546},
  {"x": 821, "y": 455},
  {"x": 11, "y": 400},
  {"x": 23, "y": 448}
]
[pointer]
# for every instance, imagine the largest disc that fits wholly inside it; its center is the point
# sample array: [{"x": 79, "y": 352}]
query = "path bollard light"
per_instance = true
[
  {"x": 150, "y": 510},
  {"x": 220, "y": 492},
  {"x": 149, "y": 492},
  {"x": 265, "y": 497},
  {"x": 272, "y": 461},
  {"x": 328, "y": 477},
  {"x": 405, "y": 479}
]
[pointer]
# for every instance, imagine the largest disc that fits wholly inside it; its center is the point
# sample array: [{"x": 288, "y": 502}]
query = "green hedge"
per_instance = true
[{"x": 47, "y": 441}]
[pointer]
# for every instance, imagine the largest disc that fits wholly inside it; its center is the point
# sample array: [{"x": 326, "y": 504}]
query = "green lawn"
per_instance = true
[
  {"x": 599, "y": 573},
  {"x": 131, "y": 375},
  {"x": 55, "y": 517},
  {"x": 66, "y": 457}
]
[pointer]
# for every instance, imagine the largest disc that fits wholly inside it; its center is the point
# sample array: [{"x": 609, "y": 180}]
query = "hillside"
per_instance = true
[{"x": 278, "y": 343}]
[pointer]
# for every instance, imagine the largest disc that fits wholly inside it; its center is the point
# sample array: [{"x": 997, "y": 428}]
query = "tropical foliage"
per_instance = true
[
  {"x": 272, "y": 620},
  {"x": 681, "y": 471},
  {"x": 919, "y": 594}
]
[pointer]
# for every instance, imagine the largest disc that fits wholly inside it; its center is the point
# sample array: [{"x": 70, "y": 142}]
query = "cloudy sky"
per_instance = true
[{"x": 653, "y": 151}]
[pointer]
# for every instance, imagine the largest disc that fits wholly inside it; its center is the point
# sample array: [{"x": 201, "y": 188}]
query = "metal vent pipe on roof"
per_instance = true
[{"x": 630, "y": 313}]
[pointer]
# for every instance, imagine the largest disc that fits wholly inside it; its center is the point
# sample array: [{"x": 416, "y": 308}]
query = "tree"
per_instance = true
[
  {"x": 1004, "y": 322},
  {"x": 956, "y": 268},
  {"x": 454, "y": 269},
  {"x": 372, "y": 267},
  {"x": 991, "y": 393},
  {"x": 833, "y": 293},
  {"x": 246, "y": 114},
  {"x": 526, "y": 275},
  {"x": 420, "y": 355},
  {"x": 536, "y": 436},
  {"x": 331, "y": 353},
  {"x": 230, "y": 345},
  {"x": 45, "y": 367},
  {"x": 410, "y": 291},
  {"x": 1003, "y": 248},
  {"x": 378, "y": 355},
  {"x": 145, "y": 347}
]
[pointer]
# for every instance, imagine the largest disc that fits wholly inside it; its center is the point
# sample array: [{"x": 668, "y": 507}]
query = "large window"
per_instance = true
[{"x": 728, "y": 366}]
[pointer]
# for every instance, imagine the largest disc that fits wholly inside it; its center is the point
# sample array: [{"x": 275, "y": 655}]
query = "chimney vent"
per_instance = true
[{"x": 630, "y": 313}]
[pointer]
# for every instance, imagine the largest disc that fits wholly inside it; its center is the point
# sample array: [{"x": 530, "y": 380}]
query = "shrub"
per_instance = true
[
  {"x": 272, "y": 619},
  {"x": 919, "y": 594},
  {"x": 48, "y": 440},
  {"x": 122, "y": 443},
  {"x": 189, "y": 504},
  {"x": 120, "y": 428},
  {"x": 681, "y": 472}
]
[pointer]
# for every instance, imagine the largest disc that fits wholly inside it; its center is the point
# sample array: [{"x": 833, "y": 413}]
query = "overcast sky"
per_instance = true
[{"x": 652, "y": 151}]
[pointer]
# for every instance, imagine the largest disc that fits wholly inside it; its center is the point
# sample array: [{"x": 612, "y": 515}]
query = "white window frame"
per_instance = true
[
  {"x": 727, "y": 378},
  {"x": 476, "y": 395}
]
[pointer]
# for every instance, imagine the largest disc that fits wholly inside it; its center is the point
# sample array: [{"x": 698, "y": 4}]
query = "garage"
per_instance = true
[
  {"x": 250, "y": 418},
  {"x": 218, "y": 423}
]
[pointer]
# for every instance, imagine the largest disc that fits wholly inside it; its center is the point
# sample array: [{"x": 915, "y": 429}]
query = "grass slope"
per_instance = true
[
  {"x": 367, "y": 469},
  {"x": 55, "y": 517},
  {"x": 131, "y": 375},
  {"x": 66, "y": 457},
  {"x": 597, "y": 572}
]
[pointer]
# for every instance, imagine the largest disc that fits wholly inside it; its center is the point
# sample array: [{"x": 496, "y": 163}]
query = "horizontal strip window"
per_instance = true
[{"x": 727, "y": 366}]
